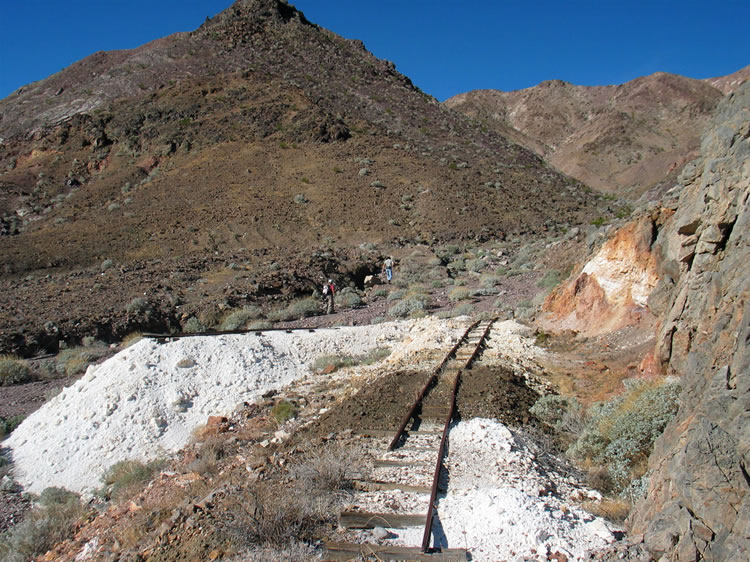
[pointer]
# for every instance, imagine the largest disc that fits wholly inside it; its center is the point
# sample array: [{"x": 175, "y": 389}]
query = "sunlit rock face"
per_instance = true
[{"x": 612, "y": 289}]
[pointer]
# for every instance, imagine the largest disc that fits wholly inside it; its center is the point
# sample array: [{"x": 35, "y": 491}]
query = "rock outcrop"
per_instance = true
[
  {"x": 698, "y": 502},
  {"x": 612, "y": 289}
]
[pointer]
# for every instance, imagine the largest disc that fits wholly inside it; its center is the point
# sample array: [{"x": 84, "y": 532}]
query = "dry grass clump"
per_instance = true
[
  {"x": 296, "y": 310},
  {"x": 125, "y": 478},
  {"x": 13, "y": 370},
  {"x": 279, "y": 513},
  {"x": 239, "y": 319},
  {"x": 74, "y": 361}
]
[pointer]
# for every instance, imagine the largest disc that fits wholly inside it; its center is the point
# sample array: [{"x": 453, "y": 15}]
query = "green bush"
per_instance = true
[
  {"x": 193, "y": 325},
  {"x": 459, "y": 294},
  {"x": 396, "y": 295},
  {"x": 476, "y": 265},
  {"x": 239, "y": 319},
  {"x": 489, "y": 280},
  {"x": 13, "y": 371},
  {"x": 341, "y": 361},
  {"x": 620, "y": 433},
  {"x": 348, "y": 298},
  {"x": 283, "y": 410},
  {"x": 409, "y": 306},
  {"x": 7, "y": 425},
  {"x": 564, "y": 414},
  {"x": 296, "y": 310},
  {"x": 75, "y": 360},
  {"x": 550, "y": 279},
  {"x": 139, "y": 306}
]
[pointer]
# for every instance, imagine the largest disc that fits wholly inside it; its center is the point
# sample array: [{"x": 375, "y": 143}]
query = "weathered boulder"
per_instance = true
[{"x": 698, "y": 502}]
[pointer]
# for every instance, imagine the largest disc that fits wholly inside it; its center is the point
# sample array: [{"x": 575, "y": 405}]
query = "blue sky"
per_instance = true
[{"x": 445, "y": 47}]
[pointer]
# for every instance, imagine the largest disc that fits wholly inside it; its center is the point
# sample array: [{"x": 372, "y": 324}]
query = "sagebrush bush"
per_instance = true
[
  {"x": 193, "y": 325},
  {"x": 396, "y": 295},
  {"x": 348, "y": 298},
  {"x": 297, "y": 310},
  {"x": 75, "y": 360},
  {"x": 476, "y": 265},
  {"x": 562, "y": 413},
  {"x": 139, "y": 306},
  {"x": 409, "y": 306},
  {"x": 459, "y": 294},
  {"x": 7, "y": 425},
  {"x": 620, "y": 433},
  {"x": 341, "y": 361},
  {"x": 550, "y": 279},
  {"x": 239, "y": 319},
  {"x": 13, "y": 371}
]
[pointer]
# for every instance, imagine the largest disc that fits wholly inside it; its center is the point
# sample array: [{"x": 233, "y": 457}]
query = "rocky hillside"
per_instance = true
[
  {"x": 259, "y": 141},
  {"x": 680, "y": 272},
  {"x": 622, "y": 139}
]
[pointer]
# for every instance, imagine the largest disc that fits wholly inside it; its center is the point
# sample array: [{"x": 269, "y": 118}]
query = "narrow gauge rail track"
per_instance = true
[
  {"x": 179, "y": 335},
  {"x": 423, "y": 431}
]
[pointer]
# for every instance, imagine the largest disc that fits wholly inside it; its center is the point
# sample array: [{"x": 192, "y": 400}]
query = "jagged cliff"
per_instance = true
[
  {"x": 698, "y": 503},
  {"x": 680, "y": 271}
]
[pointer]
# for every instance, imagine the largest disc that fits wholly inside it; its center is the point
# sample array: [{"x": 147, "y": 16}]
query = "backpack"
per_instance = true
[{"x": 325, "y": 290}]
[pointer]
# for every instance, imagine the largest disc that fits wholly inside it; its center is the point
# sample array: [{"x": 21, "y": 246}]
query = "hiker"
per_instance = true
[
  {"x": 388, "y": 268},
  {"x": 328, "y": 290}
]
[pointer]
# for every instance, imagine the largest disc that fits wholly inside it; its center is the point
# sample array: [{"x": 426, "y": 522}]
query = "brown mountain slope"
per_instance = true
[
  {"x": 621, "y": 139},
  {"x": 258, "y": 138}
]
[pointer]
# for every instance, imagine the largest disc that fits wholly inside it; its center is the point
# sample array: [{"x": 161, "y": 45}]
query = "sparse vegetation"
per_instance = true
[
  {"x": 75, "y": 360},
  {"x": 240, "y": 319},
  {"x": 340, "y": 361},
  {"x": 296, "y": 310},
  {"x": 125, "y": 478},
  {"x": 47, "y": 524},
  {"x": 283, "y": 411}
]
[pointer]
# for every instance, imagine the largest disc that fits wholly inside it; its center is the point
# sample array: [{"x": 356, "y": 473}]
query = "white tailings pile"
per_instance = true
[
  {"x": 147, "y": 400},
  {"x": 502, "y": 504}
]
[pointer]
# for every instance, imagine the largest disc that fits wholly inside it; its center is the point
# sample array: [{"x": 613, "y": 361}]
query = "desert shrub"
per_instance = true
[
  {"x": 46, "y": 525},
  {"x": 485, "y": 291},
  {"x": 75, "y": 360},
  {"x": 210, "y": 453},
  {"x": 446, "y": 253},
  {"x": 125, "y": 478},
  {"x": 489, "y": 280},
  {"x": 239, "y": 319},
  {"x": 620, "y": 433},
  {"x": 283, "y": 411},
  {"x": 380, "y": 292},
  {"x": 296, "y": 310},
  {"x": 348, "y": 298},
  {"x": 139, "y": 306},
  {"x": 13, "y": 371},
  {"x": 550, "y": 279},
  {"x": 8, "y": 425},
  {"x": 476, "y": 265},
  {"x": 458, "y": 264},
  {"x": 396, "y": 295},
  {"x": 342, "y": 361},
  {"x": 106, "y": 264},
  {"x": 464, "y": 309},
  {"x": 459, "y": 294},
  {"x": 409, "y": 306},
  {"x": 562, "y": 413},
  {"x": 193, "y": 325},
  {"x": 260, "y": 325}
]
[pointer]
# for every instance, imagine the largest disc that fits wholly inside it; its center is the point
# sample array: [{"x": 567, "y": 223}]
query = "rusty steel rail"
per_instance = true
[
  {"x": 259, "y": 331},
  {"x": 438, "y": 468},
  {"x": 444, "y": 438},
  {"x": 426, "y": 387}
]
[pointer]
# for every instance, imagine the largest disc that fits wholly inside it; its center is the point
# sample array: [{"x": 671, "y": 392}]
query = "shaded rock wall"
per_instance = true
[{"x": 698, "y": 503}]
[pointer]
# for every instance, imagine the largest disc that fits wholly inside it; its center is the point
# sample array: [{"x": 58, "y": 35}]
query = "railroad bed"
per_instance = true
[{"x": 408, "y": 472}]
